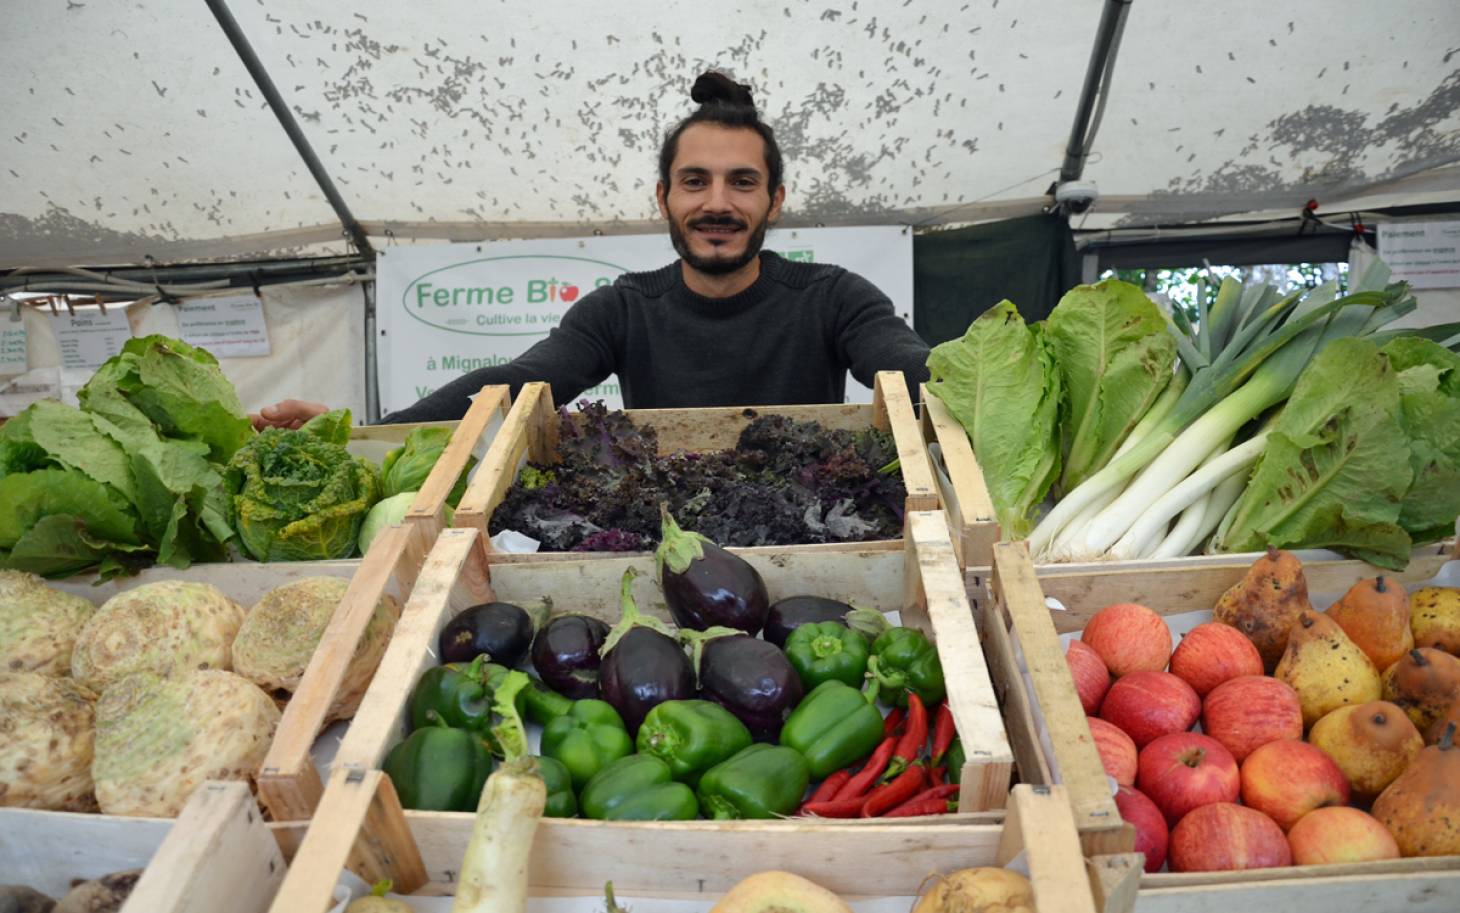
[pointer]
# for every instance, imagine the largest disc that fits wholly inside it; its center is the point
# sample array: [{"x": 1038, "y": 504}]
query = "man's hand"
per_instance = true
[{"x": 291, "y": 413}]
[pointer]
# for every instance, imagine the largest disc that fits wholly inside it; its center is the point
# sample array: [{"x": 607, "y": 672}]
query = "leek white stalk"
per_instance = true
[
  {"x": 1178, "y": 542},
  {"x": 1186, "y": 493},
  {"x": 1224, "y": 500}
]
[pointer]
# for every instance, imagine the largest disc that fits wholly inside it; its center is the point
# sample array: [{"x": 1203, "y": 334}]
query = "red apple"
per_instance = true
[
  {"x": 1332, "y": 835},
  {"x": 1287, "y": 780},
  {"x": 1137, "y": 810},
  {"x": 1148, "y": 705},
  {"x": 568, "y": 292},
  {"x": 1130, "y": 638},
  {"x": 1091, "y": 677},
  {"x": 1186, "y": 770},
  {"x": 1250, "y": 711},
  {"x": 1224, "y": 837},
  {"x": 1212, "y": 653},
  {"x": 1117, "y": 751}
]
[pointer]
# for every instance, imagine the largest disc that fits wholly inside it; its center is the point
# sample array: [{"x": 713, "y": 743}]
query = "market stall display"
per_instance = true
[
  {"x": 840, "y": 483},
  {"x": 217, "y": 847},
  {"x": 1282, "y": 736},
  {"x": 1149, "y": 437}
]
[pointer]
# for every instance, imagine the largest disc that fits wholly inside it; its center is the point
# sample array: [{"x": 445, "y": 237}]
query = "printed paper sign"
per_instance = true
[
  {"x": 446, "y": 309},
  {"x": 88, "y": 337},
  {"x": 229, "y": 327},
  {"x": 1424, "y": 254},
  {"x": 12, "y": 347}
]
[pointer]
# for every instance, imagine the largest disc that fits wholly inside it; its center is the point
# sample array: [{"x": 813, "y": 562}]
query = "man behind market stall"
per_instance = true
[{"x": 727, "y": 324}]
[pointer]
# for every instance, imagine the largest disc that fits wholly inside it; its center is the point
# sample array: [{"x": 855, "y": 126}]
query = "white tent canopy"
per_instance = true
[{"x": 133, "y": 129}]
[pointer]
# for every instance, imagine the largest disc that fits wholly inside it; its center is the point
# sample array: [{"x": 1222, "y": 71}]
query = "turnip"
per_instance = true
[{"x": 981, "y": 890}]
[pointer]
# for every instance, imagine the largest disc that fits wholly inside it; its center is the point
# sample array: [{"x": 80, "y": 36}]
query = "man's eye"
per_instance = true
[{"x": 694, "y": 182}]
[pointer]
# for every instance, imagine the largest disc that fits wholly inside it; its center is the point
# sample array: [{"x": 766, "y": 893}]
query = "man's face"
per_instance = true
[{"x": 717, "y": 202}]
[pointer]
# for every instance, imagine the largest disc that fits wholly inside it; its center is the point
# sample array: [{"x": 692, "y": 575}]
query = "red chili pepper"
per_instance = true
[
  {"x": 912, "y": 741},
  {"x": 857, "y": 786},
  {"x": 936, "y": 775},
  {"x": 891, "y": 795},
  {"x": 893, "y": 723},
  {"x": 837, "y": 808},
  {"x": 828, "y": 788},
  {"x": 916, "y": 809},
  {"x": 944, "y": 731}
]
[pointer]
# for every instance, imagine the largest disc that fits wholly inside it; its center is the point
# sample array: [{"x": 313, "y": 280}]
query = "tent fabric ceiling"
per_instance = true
[{"x": 141, "y": 133}]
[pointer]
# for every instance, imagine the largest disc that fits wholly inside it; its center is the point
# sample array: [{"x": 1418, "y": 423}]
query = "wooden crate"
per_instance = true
[
  {"x": 922, "y": 581},
  {"x": 218, "y": 847},
  {"x": 361, "y": 826},
  {"x": 1016, "y": 621},
  {"x": 975, "y": 529},
  {"x": 531, "y": 428}
]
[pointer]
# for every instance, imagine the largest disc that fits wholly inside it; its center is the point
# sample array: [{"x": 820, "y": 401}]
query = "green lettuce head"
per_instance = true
[
  {"x": 406, "y": 467},
  {"x": 300, "y": 495}
]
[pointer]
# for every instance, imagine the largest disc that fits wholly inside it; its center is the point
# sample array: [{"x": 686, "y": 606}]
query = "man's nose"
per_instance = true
[{"x": 718, "y": 199}]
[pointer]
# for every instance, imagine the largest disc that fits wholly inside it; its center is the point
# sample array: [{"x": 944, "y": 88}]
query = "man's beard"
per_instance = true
[{"x": 718, "y": 267}]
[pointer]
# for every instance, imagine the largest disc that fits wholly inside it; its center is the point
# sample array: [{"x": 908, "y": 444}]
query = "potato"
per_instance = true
[
  {"x": 279, "y": 635},
  {"x": 38, "y": 624},
  {"x": 15, "y": 898},
  {"x": 100, "y": 895},
  {"x": 167, "y": 628},
  {"x": 158, "y": 739},
  {"x": 45, "y": 742}
]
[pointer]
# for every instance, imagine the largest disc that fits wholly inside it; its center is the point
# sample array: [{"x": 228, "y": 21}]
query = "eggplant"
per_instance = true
[
  {"x": 706, "y": 586},
  {"x": 501, "y": 630},
  {"x": 565, "y": 653},
  {"x": 794, "y": 611},
  {"x": 642, "y": 664},
  {"x": 747, "y": 676}
]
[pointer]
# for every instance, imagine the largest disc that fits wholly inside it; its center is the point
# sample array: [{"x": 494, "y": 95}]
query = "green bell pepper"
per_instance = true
[
  {"x": 586, "y": 739},
  {"x": 691, "y": 737},
  {"x": 833, "y": 727},
  {"x": 762, "y": 781},
  {"x": 542, "y": 704},
  {"x": 439, "y": 769},
  {"x": 902, "y": 660},
  {"x": 827, "y": 651},
  {"x": 482, "y": 697},
  {"x": 561, "y": 802},
  {"x": 638, "y": 788}
]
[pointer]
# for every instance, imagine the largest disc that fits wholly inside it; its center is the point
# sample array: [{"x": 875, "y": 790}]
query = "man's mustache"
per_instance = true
[{"x": 717, "y": 222}]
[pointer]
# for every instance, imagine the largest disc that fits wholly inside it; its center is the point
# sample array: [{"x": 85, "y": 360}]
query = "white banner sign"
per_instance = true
[
  {"x": 446, "y": 309},
  {"x": 13, "y": 359},
  {"x": 89, "y": 337},
  {"x": 1424, "y": 254},
  {"x": 229, "y": 327}
]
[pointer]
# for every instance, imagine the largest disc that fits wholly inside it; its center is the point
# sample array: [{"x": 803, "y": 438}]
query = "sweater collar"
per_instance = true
[{"x": 770, "y": 269}]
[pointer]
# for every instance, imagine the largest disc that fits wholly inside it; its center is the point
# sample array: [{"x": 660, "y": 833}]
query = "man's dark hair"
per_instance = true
[{"x": 725, "y": 103}]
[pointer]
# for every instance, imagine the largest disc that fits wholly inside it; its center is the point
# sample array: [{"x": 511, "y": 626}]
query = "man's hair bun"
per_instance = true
[{"x": 714, "y": 87}]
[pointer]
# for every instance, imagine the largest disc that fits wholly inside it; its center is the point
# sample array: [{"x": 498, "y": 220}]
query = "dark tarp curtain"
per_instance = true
[{"x": 961, "y": 273}]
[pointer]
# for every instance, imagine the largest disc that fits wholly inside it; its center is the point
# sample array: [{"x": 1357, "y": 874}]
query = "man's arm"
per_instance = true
[
  {"x": 871, "y": 337},
  {"x": 576, "y": 355}
]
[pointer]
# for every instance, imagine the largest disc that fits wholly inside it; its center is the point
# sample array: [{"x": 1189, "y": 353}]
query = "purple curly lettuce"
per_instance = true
[{"x": 786, "y": 482}]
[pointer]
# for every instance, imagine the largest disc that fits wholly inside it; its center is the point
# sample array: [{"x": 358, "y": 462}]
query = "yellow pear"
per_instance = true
[
  {"x": 1326, "y": 668},
  {"x": 1434, "y": 617},
  {"x": 1264, "y": 604},
  {"x": 1371, "y": 743}
]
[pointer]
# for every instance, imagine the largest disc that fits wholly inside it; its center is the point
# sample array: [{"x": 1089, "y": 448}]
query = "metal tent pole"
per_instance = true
[
  {"x": 291, "y": 126},
  {"x": 1097, "y": 76}
]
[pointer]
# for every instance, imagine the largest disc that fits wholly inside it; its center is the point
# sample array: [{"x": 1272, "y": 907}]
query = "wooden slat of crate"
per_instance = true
[
  {"x": 426, "y": 508},
  {"x": 456, "y": 576},
  {"x": 219, "y": 853},
  {"x": 530, "y": 430},
  {"x": 217, "y": 847},
  {"x": 289, "y": 785},
  {"x": 1020, "y": 587},
  {"x": 966, "y": 496},
  {"x": 679, "y": 858}
]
